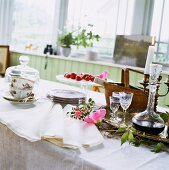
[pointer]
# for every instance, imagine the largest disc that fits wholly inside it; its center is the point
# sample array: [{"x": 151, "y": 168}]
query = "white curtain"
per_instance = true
[{"x": 6, "y": 10}]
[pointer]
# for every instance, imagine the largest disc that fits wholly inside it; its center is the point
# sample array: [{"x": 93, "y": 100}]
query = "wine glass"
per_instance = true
[
  {"x": 125, "y": 102},
  {"x": 114, "y": 106}
]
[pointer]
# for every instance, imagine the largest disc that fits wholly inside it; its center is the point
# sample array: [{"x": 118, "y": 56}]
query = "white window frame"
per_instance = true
[{"x": 144, "y": 17}]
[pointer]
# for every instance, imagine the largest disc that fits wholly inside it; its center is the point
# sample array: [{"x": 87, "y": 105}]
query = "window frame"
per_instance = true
[{"x": 60, "y": 17}]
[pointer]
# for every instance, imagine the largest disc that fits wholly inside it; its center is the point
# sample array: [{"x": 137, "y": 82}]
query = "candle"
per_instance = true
[
  {"x": 149, "y": 59},
  {"x": 153, "y": 40},
  {"x": 168, "y": 82}
]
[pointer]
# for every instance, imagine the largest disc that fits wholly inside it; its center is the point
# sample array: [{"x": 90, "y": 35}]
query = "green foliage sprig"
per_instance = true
[
  {"x": 128, "y": 135},
  {"x": 158, "y": 148}
]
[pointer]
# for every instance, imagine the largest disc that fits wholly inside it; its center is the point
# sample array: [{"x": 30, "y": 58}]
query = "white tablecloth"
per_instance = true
[{"x": 19, "y": 154}]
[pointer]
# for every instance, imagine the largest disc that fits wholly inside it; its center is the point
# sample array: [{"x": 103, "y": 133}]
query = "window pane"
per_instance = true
[
  {"x": 160, "y": 29},
  {"x": 109, "y": 17},
  {"x": 32, "y": 23},
  {"x": 104, "y": 15}
]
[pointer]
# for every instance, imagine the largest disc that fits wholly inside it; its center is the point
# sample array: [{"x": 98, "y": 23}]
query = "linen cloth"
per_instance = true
[
  {"x": 48, "y": 120},
  {"x": 19, "y": 154}
]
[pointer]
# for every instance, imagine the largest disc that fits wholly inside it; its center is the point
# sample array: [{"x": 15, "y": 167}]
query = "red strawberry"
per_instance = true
[
  {"x": 78, "y": 78},
  {"x": 87, "y": 78},
  {"x": 73, "y": 75},
  {"x": 92, "y": 78},
  {"x": 68, "y": 76}
]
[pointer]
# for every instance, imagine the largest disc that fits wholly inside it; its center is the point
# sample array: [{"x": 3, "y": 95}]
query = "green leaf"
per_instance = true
[
  {"x": 121, "y": 130},
  {"x": 130, "y": 137},
  {"x": 124, "y": 137},
  {"x": 137, "y": 141},
  {"x": 89, "y": 100},
  {"x": 164, "y": 116},
  {"x": 158, "y": 148},
  {"x": 133, "y": 130},
  {"x": 144, "y": 135}
]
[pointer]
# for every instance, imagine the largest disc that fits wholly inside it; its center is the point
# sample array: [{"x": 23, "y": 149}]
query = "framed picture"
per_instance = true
[
  {"x": 132, "y": 50},
  {"x": 4, "y": 58}
]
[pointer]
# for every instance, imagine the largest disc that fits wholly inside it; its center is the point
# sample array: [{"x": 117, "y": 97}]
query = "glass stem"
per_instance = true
[
  {"x": 151, "y": 99},
  {"x": 124, "y": 116},
  {"x": 113, "y": 115},
  {"x": 85, "y": 89}
]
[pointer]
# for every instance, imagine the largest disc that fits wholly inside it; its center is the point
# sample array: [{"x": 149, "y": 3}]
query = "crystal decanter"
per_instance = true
[{"x": 149, "y": 121}]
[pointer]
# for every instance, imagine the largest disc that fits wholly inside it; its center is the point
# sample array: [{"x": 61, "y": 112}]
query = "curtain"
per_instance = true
[{"x": 6, "y": 10}]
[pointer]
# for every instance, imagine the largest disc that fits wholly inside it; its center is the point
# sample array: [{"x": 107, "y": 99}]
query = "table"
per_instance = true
[{"x": 19, "y": 154}]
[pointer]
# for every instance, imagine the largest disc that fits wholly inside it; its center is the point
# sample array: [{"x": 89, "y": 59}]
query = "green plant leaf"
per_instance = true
[
  {"x": 133, "y": 130},
  {"x": 137, "y": 141},
  {"x": 165, "y": 116},
  {"x": 158, "y": 148},
  {"x": 121, "y": 130},
  {"x": 124, "y": 138},
  {"x": 90, "y": 100},
  {"x": 130, "y": 137},
  {"x": 144, "y": 135}
]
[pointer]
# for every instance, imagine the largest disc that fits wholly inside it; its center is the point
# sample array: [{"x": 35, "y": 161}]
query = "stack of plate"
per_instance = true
[{"x": 66, "y": 96}]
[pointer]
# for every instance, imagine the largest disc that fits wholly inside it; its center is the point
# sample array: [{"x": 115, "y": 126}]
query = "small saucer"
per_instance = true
[{"x": 7, "y": 96}]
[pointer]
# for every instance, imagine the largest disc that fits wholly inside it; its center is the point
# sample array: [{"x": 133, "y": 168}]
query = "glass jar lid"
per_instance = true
[{"x": 23, "y": 70}]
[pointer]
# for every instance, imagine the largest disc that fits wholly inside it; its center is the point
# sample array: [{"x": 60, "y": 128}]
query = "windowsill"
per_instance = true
[{"x": 100, "y": 60}]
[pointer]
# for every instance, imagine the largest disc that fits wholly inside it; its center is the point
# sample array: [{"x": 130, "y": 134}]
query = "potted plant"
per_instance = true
[
  {"x": 86, "y": 38},
  {"x": 65, "y": 41},
  {"x": 79, "y": 37}
]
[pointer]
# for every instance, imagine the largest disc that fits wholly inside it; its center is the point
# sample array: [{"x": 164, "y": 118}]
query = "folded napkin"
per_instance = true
[
  {"x": 27, "y": 123},
  {"x": 79, "y": 133},
  {"x": 49, "y": 121},
  {"x": 53, "y": 124},
  {"x": 71, "y": 133}
]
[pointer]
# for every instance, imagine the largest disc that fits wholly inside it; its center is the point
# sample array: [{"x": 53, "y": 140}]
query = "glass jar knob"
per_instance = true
[{"x": 24, "y": 60}]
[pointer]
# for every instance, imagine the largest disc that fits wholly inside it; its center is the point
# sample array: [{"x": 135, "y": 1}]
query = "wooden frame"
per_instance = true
[
  {"x": 140, "y": 98},
  {"x": 132, "y": 50},
  {"x": 4, "y": 58}
]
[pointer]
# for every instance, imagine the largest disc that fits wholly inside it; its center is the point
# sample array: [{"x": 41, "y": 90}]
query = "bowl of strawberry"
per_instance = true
[{"x": 80, "y": 77}]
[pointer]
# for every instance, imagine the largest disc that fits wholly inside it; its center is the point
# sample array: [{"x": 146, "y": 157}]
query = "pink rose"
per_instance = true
[
  {"x": 103, "y": 75},
  {"x": 88, "y": 119},
  {"x": 96, "y": 116}
]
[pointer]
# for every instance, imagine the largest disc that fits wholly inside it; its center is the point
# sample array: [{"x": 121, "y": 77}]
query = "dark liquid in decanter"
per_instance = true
[{"x": 148, "y": 127}]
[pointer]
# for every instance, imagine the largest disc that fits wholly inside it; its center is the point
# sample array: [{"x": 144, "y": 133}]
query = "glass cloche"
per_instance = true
[{"x": 21, "y": 78}]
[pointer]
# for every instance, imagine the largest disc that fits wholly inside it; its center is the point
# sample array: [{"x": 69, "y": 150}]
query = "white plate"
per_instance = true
[
  {"x": 66, "y": 96},
  {"x": 7, "y": 96}
]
